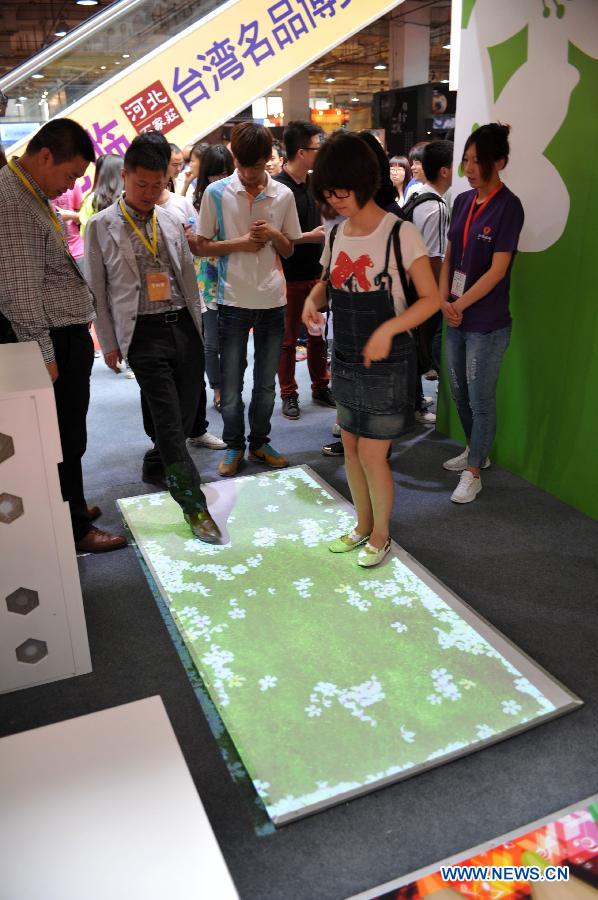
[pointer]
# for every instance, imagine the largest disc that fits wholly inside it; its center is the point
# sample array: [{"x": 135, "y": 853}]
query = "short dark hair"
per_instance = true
[
  {"x": 416, "y": 154},
  {"x": 491, "y": 144},
  {"x": 174, "y": 148},
  {"x": 436, "y": 155},
  {"x": 276, "y": 145},
  {"x": 148, "y": 151},
  {"x": 345, "y": 161},
  {"x": 403, "y": 162},
  {"x": 297, "y": 135},
  {"x": 215, "y": 159},
  {"x": 65, "y": 139},
  {"x": 250, "y": 143}
]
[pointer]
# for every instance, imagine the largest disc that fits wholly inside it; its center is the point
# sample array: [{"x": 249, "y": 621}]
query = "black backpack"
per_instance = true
[{"x": 417, "y": 200}]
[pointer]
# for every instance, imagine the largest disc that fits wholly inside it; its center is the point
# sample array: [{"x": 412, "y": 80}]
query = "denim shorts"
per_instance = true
[{"x": 376, "y": 402}]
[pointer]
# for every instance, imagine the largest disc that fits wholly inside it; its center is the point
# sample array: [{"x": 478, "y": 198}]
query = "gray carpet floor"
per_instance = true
[{"x": 522, "y": 559}]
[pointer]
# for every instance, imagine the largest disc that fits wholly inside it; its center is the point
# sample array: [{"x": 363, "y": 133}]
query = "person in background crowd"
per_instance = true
[
  {"x": 474, "y": 287},
  {"x": 68, "y": 206},
  {"x": 400, "y": 175},
  {"x": 373, "y": 355},
  {"x": 180, "y": 179},
  {"x": 416, "y": 182},
  {"x": 107, "y": 187},
  {"x": 249, "y": 221},
  {"x": 431, "y": 216},
  {"x": 302, "y": 270},
  {"x": 192, "y": 175},
  {"x": 175, "y": 167},
  {"x": 141, "y": 272},
  {"x": 7, "y": 335},
  {"x": 45, "y": 297},
  {"x": 216, "y": 163},
  {"x": 276, "y": 161}
]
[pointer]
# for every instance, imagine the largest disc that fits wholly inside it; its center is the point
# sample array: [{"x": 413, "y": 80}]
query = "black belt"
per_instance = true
[{"x": 166, "y": 318}]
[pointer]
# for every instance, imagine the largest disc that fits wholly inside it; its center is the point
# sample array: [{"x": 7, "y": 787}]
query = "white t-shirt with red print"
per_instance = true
[{"x": 364, "y": 258}]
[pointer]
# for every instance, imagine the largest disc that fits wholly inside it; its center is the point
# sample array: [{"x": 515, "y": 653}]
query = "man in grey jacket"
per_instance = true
[{"x": 141, "y": 272}]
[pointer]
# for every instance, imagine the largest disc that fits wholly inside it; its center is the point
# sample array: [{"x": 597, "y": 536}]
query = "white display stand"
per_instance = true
[
  {"x": 103, "y": 807},
  {"x": 43, "y": 636}
]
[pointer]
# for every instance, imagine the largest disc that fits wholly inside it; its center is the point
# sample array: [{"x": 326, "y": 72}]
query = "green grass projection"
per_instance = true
[{"x": 329, "y": 678}]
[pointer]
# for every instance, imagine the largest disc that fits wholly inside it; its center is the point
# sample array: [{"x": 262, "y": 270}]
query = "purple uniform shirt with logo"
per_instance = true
[{"x": 495, "y": 230}]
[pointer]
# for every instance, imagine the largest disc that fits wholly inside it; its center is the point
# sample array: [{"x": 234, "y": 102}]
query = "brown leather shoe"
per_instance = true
[
  {"x": 204, "y": 527},
  {"x": 93, "y": 513},
  {"x": 98, "y": 541}
]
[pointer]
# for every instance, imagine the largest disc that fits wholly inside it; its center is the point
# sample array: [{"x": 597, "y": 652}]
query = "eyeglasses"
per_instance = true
[
  {"x": 338, "y": 194},
  {"x": 313, "y": 149}
]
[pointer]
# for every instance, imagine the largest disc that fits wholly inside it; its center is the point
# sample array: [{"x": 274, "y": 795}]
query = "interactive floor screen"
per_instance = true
[
  {"x": 331, "y": 680},
  {"x": 566, "y": 840}
]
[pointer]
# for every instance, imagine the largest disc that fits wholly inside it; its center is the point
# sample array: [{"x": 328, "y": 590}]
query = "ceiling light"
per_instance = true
[
  {"x": 354, "y": 99},
  {"x": 37, "y": 75},
  {"x": 22, "y": 99},
  {"x": 446, "y": 46},
  {"x": 87, "y": 2},
  {"x": 117, "y": 62},
  {"x": 126, "y": 55},
  {"x": 380, "y": 65},
  {"x": 444, "y": 81},
  {"x": 61, "y": 29},
  {"x": 102, "y": 68},
  {"x": 330, "y": 79}
]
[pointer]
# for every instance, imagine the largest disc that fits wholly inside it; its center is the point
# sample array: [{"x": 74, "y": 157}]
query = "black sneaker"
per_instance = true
[
  {"x": 324, "y": 397},
  {"x": 290, "y": 408},
  {"x": 334, "y": 449}
]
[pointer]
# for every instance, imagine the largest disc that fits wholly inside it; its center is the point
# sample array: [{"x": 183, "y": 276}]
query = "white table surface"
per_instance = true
[{"x": 102, "y": 807}]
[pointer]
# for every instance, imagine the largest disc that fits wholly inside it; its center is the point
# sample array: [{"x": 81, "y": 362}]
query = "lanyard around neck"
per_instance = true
[
  {"x": 53, "y": 217},
  {"x": 153, "y": 247},
  {"x": 471, "y": 217}
]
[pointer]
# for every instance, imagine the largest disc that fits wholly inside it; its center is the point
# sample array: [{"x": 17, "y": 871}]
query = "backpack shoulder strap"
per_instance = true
[
  {"x": 330, "y": 245},
  {"x": 396, "y": 243}
]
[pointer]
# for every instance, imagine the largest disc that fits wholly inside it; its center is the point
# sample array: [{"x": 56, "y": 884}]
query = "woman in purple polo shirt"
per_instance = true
[{"x": 474, "y": 287}]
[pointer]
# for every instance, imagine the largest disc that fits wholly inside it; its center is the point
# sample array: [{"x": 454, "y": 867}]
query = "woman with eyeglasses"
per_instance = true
[
  {"x": 373, "y": 359},
  {"x": 400, "y": 175}
]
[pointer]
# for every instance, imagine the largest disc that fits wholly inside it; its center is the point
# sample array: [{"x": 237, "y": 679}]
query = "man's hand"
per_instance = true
[
  {"x": 263, "y": 232},
  {"x": 52, "y": 368},
  {"x": 112, "y": 360},
  {"x": 250, "y": 244},
  {"x": 378, "y": 346},
  {"x": 317, "y": 235}
]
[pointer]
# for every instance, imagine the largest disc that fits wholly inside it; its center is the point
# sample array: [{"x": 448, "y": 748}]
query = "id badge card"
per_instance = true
[
  {"x": 158, "y": 286},
  {"x": 458, "y": 285}
]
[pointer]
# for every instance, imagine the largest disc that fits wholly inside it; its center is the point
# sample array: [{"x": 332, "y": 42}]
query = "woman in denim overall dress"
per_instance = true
[{"x": 373, "y": 362}]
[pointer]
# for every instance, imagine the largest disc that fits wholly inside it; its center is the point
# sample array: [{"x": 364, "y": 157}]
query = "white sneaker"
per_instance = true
[
  {"x": 336, "y": 430},
  {"x": 458, "y": 463},
  {"x": 468, "y": 488},
  {"x": 207, "y": 440},
  {"x": 425, "y": 417}
]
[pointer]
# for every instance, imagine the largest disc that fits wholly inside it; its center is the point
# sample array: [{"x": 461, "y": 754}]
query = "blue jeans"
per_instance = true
[
  {"x": 473, "y": 361},
  {"x": 211, "y": 348},
  {"x": 234, "y": 324}
]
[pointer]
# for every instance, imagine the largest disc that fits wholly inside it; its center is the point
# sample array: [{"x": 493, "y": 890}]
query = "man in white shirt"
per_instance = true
[
  {"x": 248, "y": 221},
  {"x": 431, "y": 216}
]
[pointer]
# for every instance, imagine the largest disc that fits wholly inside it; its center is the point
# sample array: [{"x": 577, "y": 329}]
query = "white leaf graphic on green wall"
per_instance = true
[{"x": 530, "y": 92}]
